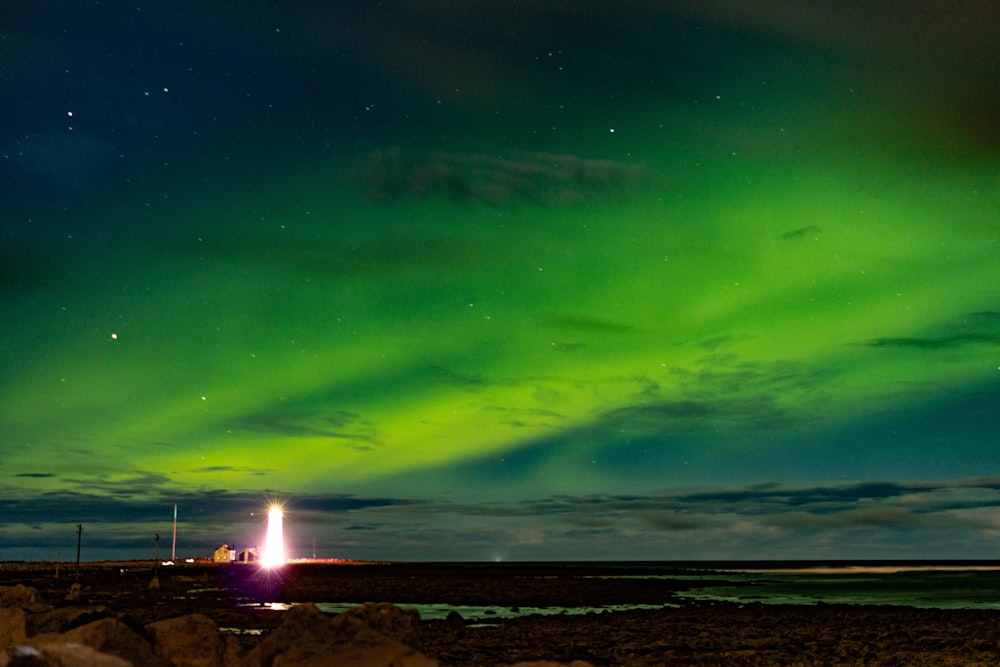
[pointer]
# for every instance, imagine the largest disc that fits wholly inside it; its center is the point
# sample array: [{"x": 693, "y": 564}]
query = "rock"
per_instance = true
[
  {"x": 375, "y": 656},
  {"x": 456, "y": 623},
  {"x": 309, "y": 638},
  {"x": 189, "y": 641},
  {"x": 300, "y": 623},
  {"x": 111, "y": 636},
  {"x": 64, "y": 619},
  {"x": 59, "y": 654},
  {"x": 402, "y": 625},
  {"x": 13, "y": 626},
  {"x": 233, "y": 653},
  {"x": 18, "y": 595}
]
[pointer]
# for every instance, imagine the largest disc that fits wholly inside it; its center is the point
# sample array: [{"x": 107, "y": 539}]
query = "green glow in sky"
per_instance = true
[
  {"x": 739, "y": 276},
  {"x": 515, "y": 323}
]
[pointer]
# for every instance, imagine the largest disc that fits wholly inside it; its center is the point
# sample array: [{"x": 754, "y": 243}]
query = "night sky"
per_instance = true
[{"x": 519, "y": 281}]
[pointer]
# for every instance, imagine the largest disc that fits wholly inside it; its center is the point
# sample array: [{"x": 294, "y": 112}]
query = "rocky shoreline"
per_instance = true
[{"x": 208, "y": 615}]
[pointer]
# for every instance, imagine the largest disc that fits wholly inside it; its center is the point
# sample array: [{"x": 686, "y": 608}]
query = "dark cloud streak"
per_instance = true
[
  {"x": 937, "y": 343},
  {"x": 799, "y": 514}
]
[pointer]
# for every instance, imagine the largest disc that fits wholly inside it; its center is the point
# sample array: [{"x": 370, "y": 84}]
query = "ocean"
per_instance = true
[
  {"x": 918, "y": 584},
  {"x": 939, "y": 585}
]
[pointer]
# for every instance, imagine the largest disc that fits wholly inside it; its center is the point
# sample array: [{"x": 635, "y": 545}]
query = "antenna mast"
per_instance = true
[
  {"x": 79, "y": 534},
  {"x": 173, "y": 548}
]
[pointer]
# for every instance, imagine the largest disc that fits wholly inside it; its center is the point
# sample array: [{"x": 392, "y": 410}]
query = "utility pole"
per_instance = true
[
  {"x": 155, "y": 581},
  {"x": 173, "y": 548},
  {"x": 79, "y": 533}
]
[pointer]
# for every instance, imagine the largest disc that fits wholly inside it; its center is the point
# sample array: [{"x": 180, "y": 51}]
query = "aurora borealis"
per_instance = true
[{"x": 461, "y": 283}]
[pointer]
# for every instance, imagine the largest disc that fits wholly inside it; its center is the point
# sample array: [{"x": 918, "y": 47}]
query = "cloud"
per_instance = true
[
  {"x": 138, "y": 482},
  {"x": 337, "y": 503},
  {"x": 802, "y": 232},
  {"x": 864, "y": 503},
  {"x": 243, "y": 470},
  {"x": 992, "y": 483},
  {"x": 886, "y": 518},
  {"x": 774, "y": 495},
  {"x": 334, "y": 424},
  {"x": 977, "y": 328},
  {"x": 937, "y": 343},
  {"x": 595, "y": 325},
  {"x": 871, "y": 519},
  {"x": 394, "y": 175},
  {"x": 670, "y": 417},
  {"x": 674, "y": 521}
]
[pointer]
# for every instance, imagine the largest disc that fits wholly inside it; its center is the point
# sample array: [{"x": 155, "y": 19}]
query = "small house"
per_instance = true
[
  {"x": 248, "y": 555},
  {"x": 224, "y": 554}
]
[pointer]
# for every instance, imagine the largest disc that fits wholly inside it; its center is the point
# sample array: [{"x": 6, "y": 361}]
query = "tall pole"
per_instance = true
[
  {"x": 79, "y": 533},
  {"x": 173, "y": 548},
  {"x": 155, "y": 581}
]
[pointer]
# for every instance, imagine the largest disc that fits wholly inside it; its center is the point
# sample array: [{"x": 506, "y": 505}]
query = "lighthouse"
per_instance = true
[{"x": 274, "y": 544}]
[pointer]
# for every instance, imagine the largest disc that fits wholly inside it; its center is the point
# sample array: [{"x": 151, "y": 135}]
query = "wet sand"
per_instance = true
[{"x": 239, "y": 600}]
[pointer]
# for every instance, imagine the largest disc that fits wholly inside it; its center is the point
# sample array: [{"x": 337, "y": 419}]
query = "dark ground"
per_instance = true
[{"x": 691, "y": 634}]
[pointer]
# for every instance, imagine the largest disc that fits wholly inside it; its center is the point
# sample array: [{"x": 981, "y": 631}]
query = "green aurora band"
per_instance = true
[
  {"x": 796, "y": 298},
  {"x": 780, "y": 271}
]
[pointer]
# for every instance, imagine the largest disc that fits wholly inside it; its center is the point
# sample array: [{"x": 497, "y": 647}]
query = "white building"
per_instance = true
[{"x": 224, "y": 554}]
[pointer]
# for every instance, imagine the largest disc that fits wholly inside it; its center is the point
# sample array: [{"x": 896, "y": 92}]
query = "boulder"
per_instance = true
[
  {"x": 403, "y": 625},
  {"x": 59, "y": 654},
  {"x": 75, "y": 593},
  {"x": 301, "y": 623},
  {"x": 109, "y": 635},
  {"x": 372, "y": 656},
  {"x": 64, "y": 619},
  {"x": 13, "y": 626},
  {"x": 307, "y": 637},
  {"x": 188, "y": 641},
  {"x": 18, "y": 595}
]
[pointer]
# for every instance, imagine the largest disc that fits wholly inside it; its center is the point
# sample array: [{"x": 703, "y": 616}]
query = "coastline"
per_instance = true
[{"x": 247, "y": 605}]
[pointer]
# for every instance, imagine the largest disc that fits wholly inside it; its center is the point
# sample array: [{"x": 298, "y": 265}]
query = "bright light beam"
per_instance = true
[{"x": 274, "y": 546}]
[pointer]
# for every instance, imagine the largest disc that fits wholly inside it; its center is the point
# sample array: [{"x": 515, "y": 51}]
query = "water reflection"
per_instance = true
[{"x": 430, "y": 612}]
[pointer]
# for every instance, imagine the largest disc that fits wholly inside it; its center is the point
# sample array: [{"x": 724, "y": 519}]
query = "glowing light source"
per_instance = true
[{"x": 274, "y": 545}]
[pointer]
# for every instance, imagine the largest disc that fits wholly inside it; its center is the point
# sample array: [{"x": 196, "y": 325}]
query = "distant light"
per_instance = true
[{"x": 274, "y": 544}]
